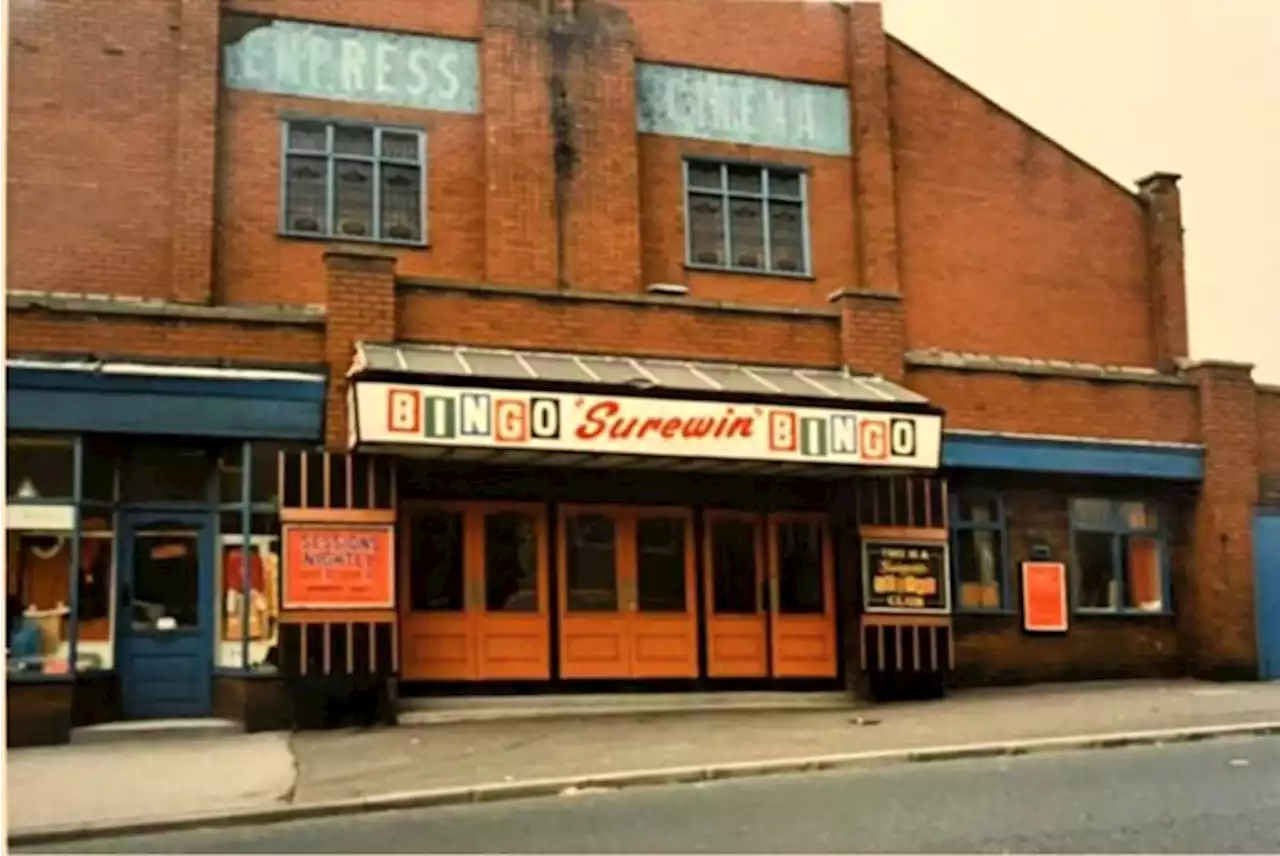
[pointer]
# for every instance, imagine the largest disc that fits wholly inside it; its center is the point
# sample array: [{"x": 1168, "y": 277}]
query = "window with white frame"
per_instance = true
[
  {"x": 1119, "y": 556},
  {"x": 747, "y": 218},
  {"x": 353, "y": 182}
]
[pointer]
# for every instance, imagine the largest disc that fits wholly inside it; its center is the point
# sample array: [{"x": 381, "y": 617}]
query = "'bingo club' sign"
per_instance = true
[{"x": 567, "y": 422}]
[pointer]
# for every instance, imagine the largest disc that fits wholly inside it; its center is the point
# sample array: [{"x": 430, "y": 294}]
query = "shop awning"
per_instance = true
[
  {"x": 828, "y": 386},
  {"x": 122, "y": 397},
  {"x": 466, "y": 403}
]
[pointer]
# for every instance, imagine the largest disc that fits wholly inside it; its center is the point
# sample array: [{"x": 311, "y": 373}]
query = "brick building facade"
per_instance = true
[{"x": 280, "y": 194}]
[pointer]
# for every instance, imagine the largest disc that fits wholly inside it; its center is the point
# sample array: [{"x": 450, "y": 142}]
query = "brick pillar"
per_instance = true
[
  {"x": 193, "y": 166},
  {"x": 873, "y": 336},
  {"x": 597, "y": 160},
  {"x": 361, "y": 300},
  {"x": 1163, "y": 202},
  {"x": 520, "y": 221},
  {"x": 1215, "y": 608}
]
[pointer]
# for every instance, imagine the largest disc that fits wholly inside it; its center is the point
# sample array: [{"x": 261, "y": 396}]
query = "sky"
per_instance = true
[{"x": 1138, "y": 86}]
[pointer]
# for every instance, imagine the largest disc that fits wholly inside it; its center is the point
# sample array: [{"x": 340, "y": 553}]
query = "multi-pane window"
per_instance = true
[
  {"x": 1118, "y": 552},
  {"x": 746, "y": 218},
  {"x": 978, "y": 551},
  {"x": 353, "y": 182}
]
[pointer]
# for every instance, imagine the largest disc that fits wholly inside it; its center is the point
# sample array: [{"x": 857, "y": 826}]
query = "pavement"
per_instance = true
[
  {"x": 70, "y": 792},
  {"x": 1210, "y": 797}
]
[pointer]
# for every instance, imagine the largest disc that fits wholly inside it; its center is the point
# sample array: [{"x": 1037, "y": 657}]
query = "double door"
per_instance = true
[
  {"x": 628, "y": 604},
  {"x": 474, "y": 588},
  {"x": 770, "y": 594}
]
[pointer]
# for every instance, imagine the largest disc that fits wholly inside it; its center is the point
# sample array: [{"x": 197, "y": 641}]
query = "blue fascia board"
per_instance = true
[
  {"x": 1074, "y": 457},
  {"x": 200, "y": 387},
  {"x": 86, "y": 402}
]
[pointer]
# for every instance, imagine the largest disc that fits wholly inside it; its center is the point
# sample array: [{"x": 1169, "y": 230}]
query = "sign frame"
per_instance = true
[
  {"x": 415, "y": 414},
  {"x": 936, "y": 544},
  {"x": 386, "y": 530},
  {"x": 1059, "y": 569}
]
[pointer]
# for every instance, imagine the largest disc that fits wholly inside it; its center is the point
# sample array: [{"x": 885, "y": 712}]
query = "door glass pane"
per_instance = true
[
  {"x": 591, "y": 564},
  {"x": 166, "y": 578},
  {"x": 660, "y": 564},
  {"x": 511, "y": 562},
  {"x": 435, "y": 562},
  {"x": 733, "y": 567},
  {"x": 800, "y": 567}
]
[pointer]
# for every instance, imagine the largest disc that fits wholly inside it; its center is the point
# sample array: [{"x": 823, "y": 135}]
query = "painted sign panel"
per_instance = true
[
  {"x": 741, "y": 108},
  {"x": 338, "y": 566},
  {"x": 1044, "y": 597},
  {"x": 39, "y": 518},
  {"x": 905, "y": 576},
  {"x": 569, "y": 422},
  {"x": 343, "y": 64}
]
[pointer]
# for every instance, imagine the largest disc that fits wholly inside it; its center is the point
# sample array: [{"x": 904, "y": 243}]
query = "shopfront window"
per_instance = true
[
  {"x": 1119, "y": 556},
  {"x": 247, "y": 555},
  {"x": 40, "y": 528},
  {"x": 978, "y": 557}
]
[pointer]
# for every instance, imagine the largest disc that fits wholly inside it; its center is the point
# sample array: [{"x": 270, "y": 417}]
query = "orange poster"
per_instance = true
[
  {"x": 1044, "y": 597},
  {"x": 338, "y": 567}
]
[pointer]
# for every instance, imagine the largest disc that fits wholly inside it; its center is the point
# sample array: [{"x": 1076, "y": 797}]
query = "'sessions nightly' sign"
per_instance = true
[
  {"x": 742, "y": 108},
  {"x": 342, "y": 64}
]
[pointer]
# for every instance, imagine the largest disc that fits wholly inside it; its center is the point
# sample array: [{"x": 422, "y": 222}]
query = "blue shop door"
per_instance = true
[
  {"x": 165, "y": 615},
  {"x": 1266, "y": 560}
]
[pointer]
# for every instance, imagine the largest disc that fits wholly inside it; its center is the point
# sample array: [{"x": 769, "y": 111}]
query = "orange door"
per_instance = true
[
  {"x": 659, "y": 571},
  {"x": 512, "y": 631},
  {"x": 802, "y": 596},
  {"x": 437, "y": 620},
  {"x": 594, "y": 637},
  {"x": 737, "y": 629}
]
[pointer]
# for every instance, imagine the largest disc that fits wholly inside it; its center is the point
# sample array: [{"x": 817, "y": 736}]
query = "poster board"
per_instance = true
[
  {"x": 905, "y": 577},
  {"x": 1044, "y": 597},
  {"x": 338, "y": 566}
]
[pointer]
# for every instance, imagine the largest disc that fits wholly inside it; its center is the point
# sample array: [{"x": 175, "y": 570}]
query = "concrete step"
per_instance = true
[
  {"x": 452, "y": 709},
  {"x": 146, "y": 729}
]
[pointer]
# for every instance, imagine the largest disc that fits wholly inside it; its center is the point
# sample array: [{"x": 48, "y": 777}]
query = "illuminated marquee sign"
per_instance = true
[{"x": 567, "y": 422}]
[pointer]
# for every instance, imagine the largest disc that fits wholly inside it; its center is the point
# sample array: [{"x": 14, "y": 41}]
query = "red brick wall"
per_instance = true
[
  {"x": 1269, "y": 431},
  {"x": 91, "y": 127},
  {"x": 804, "y": 41},
  {"x": 1061, "y": 406},
  {"x": 462, "y": 19},
  {"x": 442, "y": 316},
  {"x": 1009, "y": 244},
  {"x": 258, "y": 266},
  {"x": 992, "y": 649},
  {"x": 831, "y": 225},
  {"x": 112, "y": 336}
]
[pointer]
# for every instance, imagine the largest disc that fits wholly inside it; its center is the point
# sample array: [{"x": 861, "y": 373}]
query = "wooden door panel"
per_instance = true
[
  {"x": 436, "y": 643},
  {"x": 594, "y": 637},
  {"x": 436, "y": 646},
  {"x": 737, "y": 642},
  {"x": 513, "y": 643},
  {"x": 803, "y": 643},
  {"x": 664, "y": 644}
]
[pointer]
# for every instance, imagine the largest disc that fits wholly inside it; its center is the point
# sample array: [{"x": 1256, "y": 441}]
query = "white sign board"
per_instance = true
[
  {"x": 471, "y": 417},
  {"x": 20, "y": 517}
]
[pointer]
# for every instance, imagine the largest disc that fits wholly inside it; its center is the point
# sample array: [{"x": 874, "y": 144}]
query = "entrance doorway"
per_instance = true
[
  {"x": 627, "y": 593},
  {"x": 475, "y": 589},
  {"x": 770, "y": 587},
  {"x": 165, "y": 615}
]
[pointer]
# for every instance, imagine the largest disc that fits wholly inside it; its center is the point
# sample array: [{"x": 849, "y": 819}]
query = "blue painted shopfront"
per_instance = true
[
  {"x": 165, "y": 574},
  {"x": 1070, "y": 456},
  {"x": 1266, "y": 562}
]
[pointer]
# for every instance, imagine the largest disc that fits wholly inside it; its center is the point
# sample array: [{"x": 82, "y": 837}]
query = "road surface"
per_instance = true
[{"x": 1218, "y": 796}]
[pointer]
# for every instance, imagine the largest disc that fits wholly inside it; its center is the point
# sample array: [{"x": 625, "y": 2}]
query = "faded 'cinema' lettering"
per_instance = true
[{"x": 603, "y": 420}]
